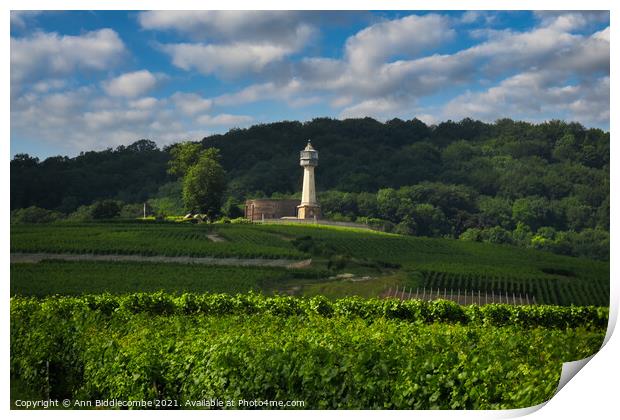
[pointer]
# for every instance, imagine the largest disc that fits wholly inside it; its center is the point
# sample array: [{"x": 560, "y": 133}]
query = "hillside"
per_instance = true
[
  {"x": 542, "y": 185},
  {"x": 356, "y": 155}
]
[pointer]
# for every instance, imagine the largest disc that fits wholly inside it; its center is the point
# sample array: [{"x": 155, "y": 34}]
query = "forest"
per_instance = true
[{"x": 543, "y": 186}]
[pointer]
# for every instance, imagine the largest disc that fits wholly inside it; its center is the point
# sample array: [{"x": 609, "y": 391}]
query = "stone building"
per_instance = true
[{"x": 260, "y": 209}]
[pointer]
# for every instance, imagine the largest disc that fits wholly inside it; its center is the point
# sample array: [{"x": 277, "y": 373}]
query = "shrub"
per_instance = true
[
  {"x": 105, "y": 209},
  {"x": 35, "y": 214}
]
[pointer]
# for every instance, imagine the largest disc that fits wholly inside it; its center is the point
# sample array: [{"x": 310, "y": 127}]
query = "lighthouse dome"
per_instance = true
[{"x": 309, "y": 156}]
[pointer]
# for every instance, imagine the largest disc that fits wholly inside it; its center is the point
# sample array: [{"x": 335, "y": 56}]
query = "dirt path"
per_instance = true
[
  {"x": 245, "y": 262},
  {"x": 214, "y": 237}
]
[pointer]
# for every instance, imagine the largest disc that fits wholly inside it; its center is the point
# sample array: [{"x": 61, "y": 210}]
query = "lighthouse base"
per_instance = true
[{"x": 308, "y": 211}]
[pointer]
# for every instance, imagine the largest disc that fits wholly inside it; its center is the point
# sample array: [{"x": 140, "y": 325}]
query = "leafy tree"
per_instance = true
[
  {"x": 430, "y": 221},
  {"x": 577, "y": 214},
  {"x": 184, "y": 156},
  {"x": 169, "y": 199},
  {"x": 522, "y": 234},
  {"x": 81, "y": 214},
  {"x": 497, "y": 235},
  {"x": 34, "y": 214},
  {"x": 204, "y": 184},
  {"x": 407, "y": 226},
  {"x": 591, "y": 243},
  {"x": 472, "y": 234},
  {"x": 387, "y": 203},
  {"x": 231, "y": 208},
  {"x": 105, "y": 209},
  {"x": 495, "y": 211},
  {"x": 533, "y": 211}
]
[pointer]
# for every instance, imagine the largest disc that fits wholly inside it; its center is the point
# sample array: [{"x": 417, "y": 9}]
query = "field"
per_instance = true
[
  {"x": 79, "y": 277},
  {"x": 80, "y": 331},
  {"x": 170, "y": 239},
  {"x": 351, "y": 353},
  {"x": 378, "y": 262}
]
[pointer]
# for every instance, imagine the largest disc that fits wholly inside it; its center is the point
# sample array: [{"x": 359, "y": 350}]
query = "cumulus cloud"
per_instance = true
[
  {"x": 81, "y": 119},
  {"x": 19, "y": 17},
  {"x": 535, "y": 96},
  {"x": 50, "y": 55},
  {"x": 260, "y": 92},
  {"x": 84, "y": 119},
  {"x": 239, "y": 42},
  {"x": 225, "y": 60},
  {"x": 559, "y": 68},
  {"x": 408, "y": 36},
  {"x": 228, "y": 120},
  {"x": 571, "y": 20},
  {"x": 132, "y": 84},
  {"x": 380, "y": 108},
  {"x": 191, "y": 103},
  {"x": 384, "y": 87},
  {"x": 227, "y": 25},
  {"x": 144, "y": 103},
  {"x": 385, "y": 68}
]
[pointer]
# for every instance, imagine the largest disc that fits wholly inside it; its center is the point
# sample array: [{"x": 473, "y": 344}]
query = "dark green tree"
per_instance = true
[
  {"x": 105, "y": 209},
  {"x": 183, "y": 157},
  {"x": 204, "y": 184}
]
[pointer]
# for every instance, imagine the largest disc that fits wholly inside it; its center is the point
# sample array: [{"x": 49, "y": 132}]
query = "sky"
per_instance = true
[{"x": 90, "y": 80}]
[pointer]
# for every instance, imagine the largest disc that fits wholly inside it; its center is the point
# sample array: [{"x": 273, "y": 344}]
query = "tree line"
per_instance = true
[{"x": 544, "y": 185}]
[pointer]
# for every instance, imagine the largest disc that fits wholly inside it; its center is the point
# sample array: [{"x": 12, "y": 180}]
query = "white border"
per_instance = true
[{"x": 592, "y": 393}]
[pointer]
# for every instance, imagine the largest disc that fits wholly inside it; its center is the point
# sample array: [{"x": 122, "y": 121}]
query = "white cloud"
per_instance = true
[
  {"x": 367, "y": 81},
  {"x": 408, "y": 36},
  {"x": 558, "y": 69},
  {"x": 49, "y": 85},
  {"x": 378, "y": 86},
  {"x": 535, "y": 96},
  {"x": 261, "y": 92},
  {"x": 570, "y": 20},
  {"x": 50, "y": 55},
  {"x": 470, "y": 16},
  {"x": 82, "y": 119},
  {"x": 379, "y": 108},
  {"x": 19, "y": 17},
  {"x": 144, "y": 103},
  {"x": 274, "y": 26},
  {"x": 191, "y": 103},
  {"x": 225, "y": 60},
  {"x": 428, "y": 119},
  {"x": 228, "y": 120},
  {"x": 239, "y": 42},
  {"x": 131, "y": 85}
]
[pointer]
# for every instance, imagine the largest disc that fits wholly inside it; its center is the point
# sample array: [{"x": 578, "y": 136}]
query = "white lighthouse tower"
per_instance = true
[{"x": 309, "y": 207}]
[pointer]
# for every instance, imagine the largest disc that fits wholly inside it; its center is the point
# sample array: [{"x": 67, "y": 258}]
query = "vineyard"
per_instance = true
[
  {"x": 79, "y": 330},
  {"x": 561, "y": 291},
  {"x": 76, "y": 278},
  {"x": 352, "y": 353},
  {"x": 391, "y": 260},
  {"x": 149, "y": 239}
]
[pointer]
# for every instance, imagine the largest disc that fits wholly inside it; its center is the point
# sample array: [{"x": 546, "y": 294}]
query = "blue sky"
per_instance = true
[{"x": 85, "y": 80}]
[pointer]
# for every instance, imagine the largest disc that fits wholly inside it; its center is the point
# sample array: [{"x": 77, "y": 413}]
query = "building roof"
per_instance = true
[{"x": 309, "y": 147}]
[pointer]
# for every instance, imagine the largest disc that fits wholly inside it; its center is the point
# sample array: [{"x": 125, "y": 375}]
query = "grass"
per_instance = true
[{"x": 373, "y": 287}]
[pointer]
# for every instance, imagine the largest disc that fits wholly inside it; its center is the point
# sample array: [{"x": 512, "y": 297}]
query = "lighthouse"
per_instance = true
[{"x": 309, "y": 207}]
